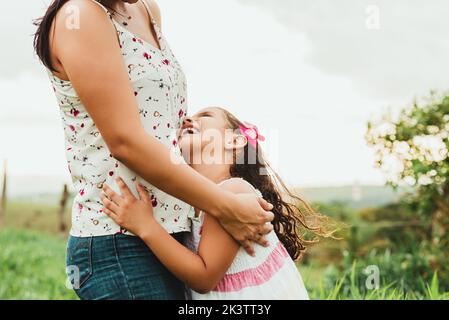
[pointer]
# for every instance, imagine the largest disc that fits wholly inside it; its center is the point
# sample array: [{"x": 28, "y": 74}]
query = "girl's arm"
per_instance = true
[
  {"x": 217, "y": 248},
  {"x": 88, "y": 54},
  {"x": 201, "y": 271}
]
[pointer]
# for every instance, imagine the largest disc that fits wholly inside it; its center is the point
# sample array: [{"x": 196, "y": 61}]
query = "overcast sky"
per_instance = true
[{"x": 310, "y": 73}]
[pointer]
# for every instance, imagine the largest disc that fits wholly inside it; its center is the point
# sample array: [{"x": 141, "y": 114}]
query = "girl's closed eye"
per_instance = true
[{"x": 204, "y": 115}]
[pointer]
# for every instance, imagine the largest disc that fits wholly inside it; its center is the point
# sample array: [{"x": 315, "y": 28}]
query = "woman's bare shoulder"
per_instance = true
[
  {"x": 77, "y": 8},
  {"x": 81, "y": 16},
  {"x": 79, "y": 23}
]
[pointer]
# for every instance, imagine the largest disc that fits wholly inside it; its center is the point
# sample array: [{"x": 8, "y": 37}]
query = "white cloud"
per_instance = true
[
  {"x": 307, "y": 69},
  {"x": 16, "y": 37},
  {"x": 407, "y": 56}
]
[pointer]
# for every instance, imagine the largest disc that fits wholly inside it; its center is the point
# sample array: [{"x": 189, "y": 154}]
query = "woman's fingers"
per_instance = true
[
  {"x": 256, "y": 235},
  {"x": 124, "y": 189},
  {"x": 143, "y": 194},
  {"x": 260, "y": 239},
  {"x": 247, "y": 245},
  {"x": 265, "y": 228},
  {"x": 267, "y": 215},
  {"x": 265, "y": 204},
  {"x": 112, "y": 195}
]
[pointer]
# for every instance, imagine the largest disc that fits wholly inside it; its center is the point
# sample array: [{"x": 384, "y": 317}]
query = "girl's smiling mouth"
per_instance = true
[{"x": 190, "y": 130}]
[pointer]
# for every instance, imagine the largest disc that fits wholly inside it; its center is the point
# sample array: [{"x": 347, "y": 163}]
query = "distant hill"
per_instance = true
[
  {"x": 357, "y": 196},
  {"x": 47, "y": 190}
]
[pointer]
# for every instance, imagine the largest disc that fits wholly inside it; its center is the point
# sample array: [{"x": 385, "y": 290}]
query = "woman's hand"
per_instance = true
[
  {"x": 247, "y": 217},
  {"x": 250, "y": 221},
  {"x": 135, "y": 215}
]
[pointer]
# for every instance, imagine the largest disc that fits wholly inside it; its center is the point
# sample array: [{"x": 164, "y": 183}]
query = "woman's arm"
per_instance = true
[
  {"x": 217, "y": 249},
  {"x": 92, "y": 60}
]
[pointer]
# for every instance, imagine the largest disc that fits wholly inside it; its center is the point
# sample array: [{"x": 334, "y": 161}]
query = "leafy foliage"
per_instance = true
[{"x": 413, "y": 149}]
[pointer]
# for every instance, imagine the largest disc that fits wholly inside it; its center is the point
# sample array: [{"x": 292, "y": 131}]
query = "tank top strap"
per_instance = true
[
  {"x": 147, "y": 7},
  {"x": 102, "y": 6},
  {"x": 155, "y": 26}
]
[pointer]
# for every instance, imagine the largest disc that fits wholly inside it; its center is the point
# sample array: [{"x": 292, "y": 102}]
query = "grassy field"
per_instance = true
[
  {"x": 313, "y": 278},
  {"x": 32, "y": 266},
  {"x": 36, "y": 216},
  {"x": 32, "y": 263}
]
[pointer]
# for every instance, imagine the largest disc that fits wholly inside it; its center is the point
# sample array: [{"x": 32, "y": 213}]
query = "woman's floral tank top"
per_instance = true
[{"x": 160, "y": 89}]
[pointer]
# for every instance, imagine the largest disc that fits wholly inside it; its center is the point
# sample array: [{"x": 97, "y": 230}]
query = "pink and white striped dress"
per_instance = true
[{"x": 270, "y": 275}]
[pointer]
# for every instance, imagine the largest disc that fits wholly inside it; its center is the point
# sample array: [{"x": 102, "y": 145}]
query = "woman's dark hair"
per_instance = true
[
  {"x": 42, "y": 35},
  {"x": 289, "y": 216}
]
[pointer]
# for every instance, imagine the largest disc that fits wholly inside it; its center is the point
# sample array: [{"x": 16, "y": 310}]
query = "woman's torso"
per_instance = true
[
  {"x": 160, "y": 89},
  {"x": 271, "y": 274}
]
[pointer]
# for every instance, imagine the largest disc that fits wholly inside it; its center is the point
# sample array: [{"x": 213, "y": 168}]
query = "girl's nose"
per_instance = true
[{"x": 187, "y": 122}]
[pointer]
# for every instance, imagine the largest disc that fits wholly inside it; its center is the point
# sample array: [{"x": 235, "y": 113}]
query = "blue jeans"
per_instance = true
[{"x": 119, "y": 267}]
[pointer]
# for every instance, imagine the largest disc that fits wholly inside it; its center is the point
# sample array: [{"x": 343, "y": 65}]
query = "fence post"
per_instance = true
[
  {"x": 3, "y": 195},
  {"x": 353, "y": 242},
  {"x": 62, "y": 206}
]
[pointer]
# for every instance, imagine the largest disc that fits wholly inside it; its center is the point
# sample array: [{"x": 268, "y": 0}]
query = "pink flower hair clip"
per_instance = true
[{"x": 251, "y": 133}]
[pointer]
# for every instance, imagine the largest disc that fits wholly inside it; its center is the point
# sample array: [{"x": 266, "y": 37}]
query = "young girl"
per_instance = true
[{"x": 216, "y": 267}]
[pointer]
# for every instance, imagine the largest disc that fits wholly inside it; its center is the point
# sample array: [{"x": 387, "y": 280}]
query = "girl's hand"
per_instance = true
[{"x": 135, "y": 215}]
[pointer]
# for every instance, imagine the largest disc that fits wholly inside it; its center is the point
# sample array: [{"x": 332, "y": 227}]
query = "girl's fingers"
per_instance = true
[
  {"x": 143, "y": 194},
  {"x": 112, "y": 195},
  {"x": 109, "y": 213},
  {"x": 112, "y": 215},
  {"x": 110, "y": 205},
  {"x": 124, "y": 189}
]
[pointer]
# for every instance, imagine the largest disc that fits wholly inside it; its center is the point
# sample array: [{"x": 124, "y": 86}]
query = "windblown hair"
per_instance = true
[
  {"x": 293, "y": 218},
  {"x": 42, "y": 35}
]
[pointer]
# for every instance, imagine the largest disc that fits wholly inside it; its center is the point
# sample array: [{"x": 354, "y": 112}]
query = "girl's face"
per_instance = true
[
  {"x": 117, "y": 1},
  {"x": 207, "y": 133}
]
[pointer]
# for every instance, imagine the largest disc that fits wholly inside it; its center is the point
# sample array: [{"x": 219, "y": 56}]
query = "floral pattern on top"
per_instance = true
[{"x": 159, "y": 86}]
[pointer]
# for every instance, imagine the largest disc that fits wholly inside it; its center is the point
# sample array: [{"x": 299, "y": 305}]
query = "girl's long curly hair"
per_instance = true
[{"x": 293, "y": 217}]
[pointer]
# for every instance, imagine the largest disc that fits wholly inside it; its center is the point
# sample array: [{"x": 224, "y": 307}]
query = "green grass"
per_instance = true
[
  {"x": 346, "y": 288},
  {"x": 32, "y": 266},
  {"x": 32, "y": 263}
]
